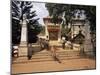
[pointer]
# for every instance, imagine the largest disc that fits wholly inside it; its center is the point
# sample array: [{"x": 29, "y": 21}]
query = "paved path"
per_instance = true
[{"x": 74, "y": 64}]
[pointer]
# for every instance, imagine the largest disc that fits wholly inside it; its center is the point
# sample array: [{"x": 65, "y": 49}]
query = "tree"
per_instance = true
[
  {"x": 57, "y": 10},
  {"x": 20, "y": 8},
  {"x": 33, "y": 29},
  {"x": 68, "y": 11},
  {"x": 16, "y": 31}
]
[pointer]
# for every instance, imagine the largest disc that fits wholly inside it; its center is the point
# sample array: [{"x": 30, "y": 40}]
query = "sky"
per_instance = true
[{"x": 41, "y": 11}]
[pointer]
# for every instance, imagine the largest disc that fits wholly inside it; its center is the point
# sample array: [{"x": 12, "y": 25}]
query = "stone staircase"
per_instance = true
[{"x": 43, "y": 56}]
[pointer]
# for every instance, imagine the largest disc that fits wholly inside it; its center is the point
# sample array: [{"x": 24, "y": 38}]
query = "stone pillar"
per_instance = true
[
  {"x": 87, "y": 44},
  {"x": 59, "y": 33},
  {"x": 46, "y": 31},
  {"x": 23, "y": 44}
]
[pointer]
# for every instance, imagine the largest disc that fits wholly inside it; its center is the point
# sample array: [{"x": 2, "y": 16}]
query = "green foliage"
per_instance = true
[
  {"x": 57, "y": 10},
  {"x": 20, "y": 8},
  {"x": 70, "y": 10},
  {"x": 16, "y": 31}
]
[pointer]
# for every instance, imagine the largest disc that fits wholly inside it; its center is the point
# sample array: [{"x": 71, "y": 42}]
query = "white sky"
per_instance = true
[{"x": 41, "y": 11}]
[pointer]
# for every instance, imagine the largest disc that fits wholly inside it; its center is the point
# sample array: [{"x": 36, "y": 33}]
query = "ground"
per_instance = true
[
  {"x": 43, "y": 62},
  {"x": 74, "y": 64}
]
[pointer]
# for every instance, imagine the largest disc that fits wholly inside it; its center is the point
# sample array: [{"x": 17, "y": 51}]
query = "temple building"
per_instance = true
[
  {"x": 52, "y": 31},
  {"x": 76, "y": 26},
  {"x": 82, "y": 25}
]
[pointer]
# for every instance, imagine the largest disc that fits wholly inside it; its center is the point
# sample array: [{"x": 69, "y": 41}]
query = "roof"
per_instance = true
[
  {"x": 79, "y": 38},
  {"x": 50, "y": 17}
]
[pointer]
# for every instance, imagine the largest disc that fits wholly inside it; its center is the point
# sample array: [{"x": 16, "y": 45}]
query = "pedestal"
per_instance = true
[{"x": 23, "y": 49}]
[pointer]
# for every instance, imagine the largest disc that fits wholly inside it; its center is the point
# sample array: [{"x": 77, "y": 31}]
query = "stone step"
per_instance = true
[
  {"x": 47, "y": 56},
  {"x": 58, "y": 53},
  {"x": 25, "y": 60}
]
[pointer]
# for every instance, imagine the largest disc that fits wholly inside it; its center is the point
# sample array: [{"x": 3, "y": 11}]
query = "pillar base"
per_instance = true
[{"x": 23, "y": 49}]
